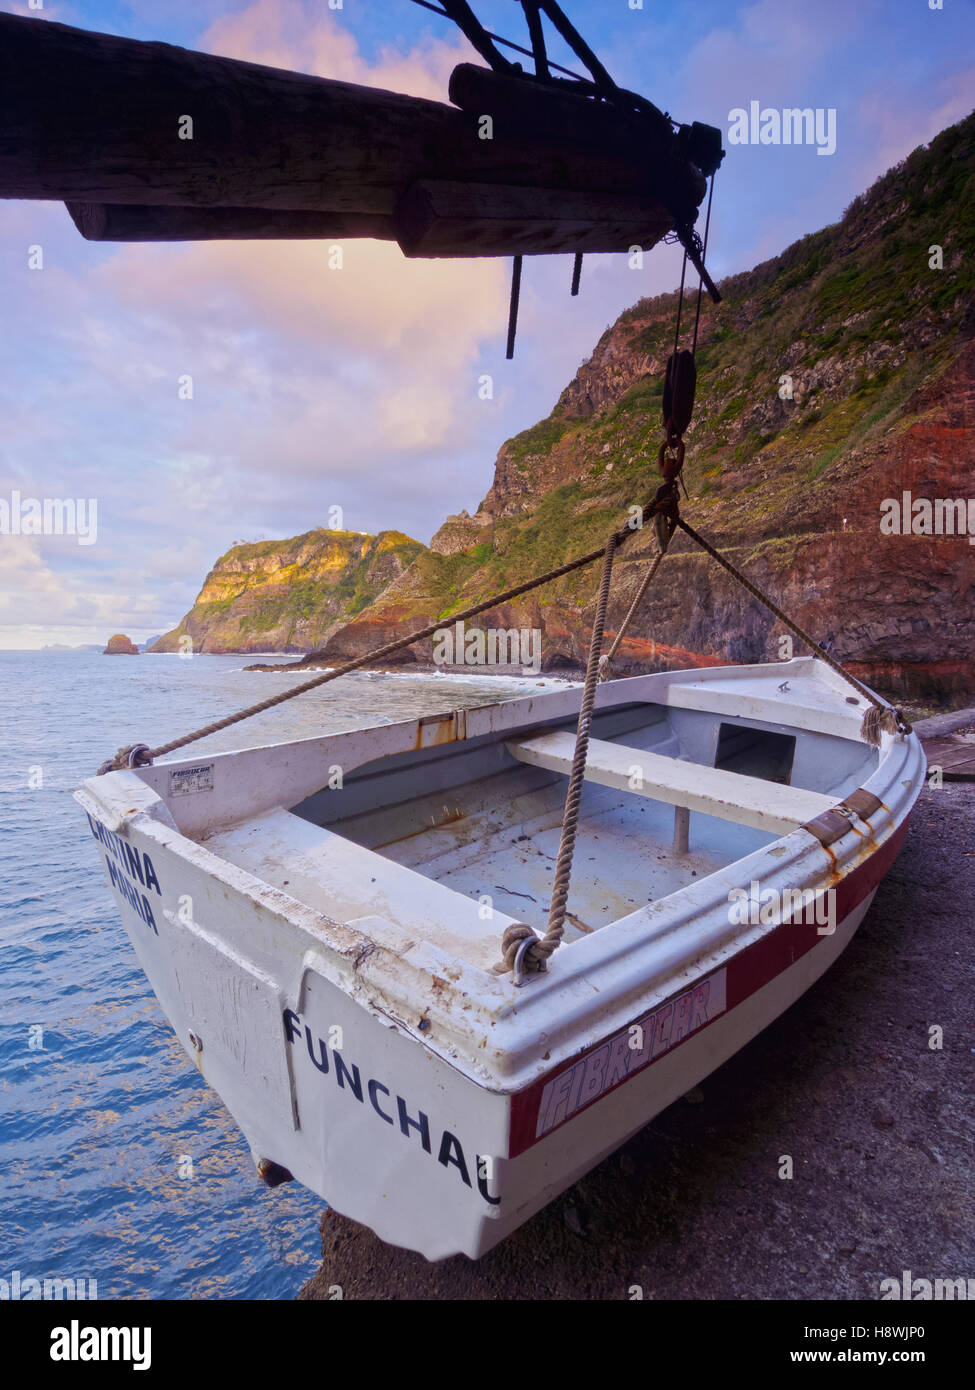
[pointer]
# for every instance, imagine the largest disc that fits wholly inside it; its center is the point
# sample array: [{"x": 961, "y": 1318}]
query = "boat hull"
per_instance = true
[
  {"x": 427, "y": 1098},
  {"x": 445, "y": 1215}
]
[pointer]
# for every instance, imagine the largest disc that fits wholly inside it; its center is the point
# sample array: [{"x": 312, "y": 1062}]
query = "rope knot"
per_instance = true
[
  {"x": 136, "y": 755},
  {"x": 520, "y": 953},
  {"x": 877, "y": 721}
]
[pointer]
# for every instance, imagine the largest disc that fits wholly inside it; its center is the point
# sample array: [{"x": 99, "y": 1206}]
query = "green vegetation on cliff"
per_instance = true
[{"x": 290, "y": 595}]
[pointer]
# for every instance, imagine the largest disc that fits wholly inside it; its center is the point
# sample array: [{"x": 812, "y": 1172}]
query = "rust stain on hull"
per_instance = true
[{"x": 434, "y": 730}]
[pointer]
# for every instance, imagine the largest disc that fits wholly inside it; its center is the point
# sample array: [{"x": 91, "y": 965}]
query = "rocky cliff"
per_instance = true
[
  {"x": 293, "y": 594},
  {"x": 833, "y": 379}
]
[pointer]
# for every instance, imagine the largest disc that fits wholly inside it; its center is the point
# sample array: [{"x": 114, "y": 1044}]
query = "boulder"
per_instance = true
[{"x": 120, "y": 645}]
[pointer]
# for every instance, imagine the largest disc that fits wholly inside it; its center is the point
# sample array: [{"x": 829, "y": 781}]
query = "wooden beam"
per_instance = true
[
  {"x": 522, "y": 109},
  {"x": 89, "y": 117},
  {"x": 521, "y": 103},
  {"x": 93, "y": 118},
  {"x": 124, "y": 222},
  {"x": 438, "y": 218}
]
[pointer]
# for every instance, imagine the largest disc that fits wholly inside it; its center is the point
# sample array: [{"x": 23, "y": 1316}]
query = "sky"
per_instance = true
[{"x": 352, "y": 396}]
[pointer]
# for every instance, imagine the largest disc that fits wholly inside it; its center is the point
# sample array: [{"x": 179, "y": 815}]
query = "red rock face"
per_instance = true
[
  {"x": 371, "y": 631},
  {"x": 903, "y": 606}
]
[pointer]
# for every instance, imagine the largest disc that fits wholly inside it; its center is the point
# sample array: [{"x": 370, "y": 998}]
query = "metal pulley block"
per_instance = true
[{"x": 680, "y": 383}]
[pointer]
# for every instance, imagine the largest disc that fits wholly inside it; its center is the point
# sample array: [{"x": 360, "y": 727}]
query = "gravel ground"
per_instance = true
[{"x": 879, "y": 1126}]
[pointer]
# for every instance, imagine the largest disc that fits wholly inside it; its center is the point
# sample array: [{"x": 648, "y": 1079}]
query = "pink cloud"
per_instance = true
[
  {"x": 370, "y": 360},
  {"x": 287, "y": 34}
]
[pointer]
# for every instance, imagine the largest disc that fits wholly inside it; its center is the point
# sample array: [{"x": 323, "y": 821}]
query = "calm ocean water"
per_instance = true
[{"x": 99, "y": 1106}]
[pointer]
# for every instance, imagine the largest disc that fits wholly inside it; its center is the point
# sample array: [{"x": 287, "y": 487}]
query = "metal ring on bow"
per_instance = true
[{"x": 518, "y": 974}]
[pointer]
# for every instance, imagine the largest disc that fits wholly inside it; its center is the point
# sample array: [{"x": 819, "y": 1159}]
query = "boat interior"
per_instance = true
[{"x": 671, "y": 795}]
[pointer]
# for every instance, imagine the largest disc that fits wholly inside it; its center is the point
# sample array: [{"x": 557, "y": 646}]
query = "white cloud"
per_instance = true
[
  {"x": 770, "y": 51},
  {"x": 38, "y": 605}
]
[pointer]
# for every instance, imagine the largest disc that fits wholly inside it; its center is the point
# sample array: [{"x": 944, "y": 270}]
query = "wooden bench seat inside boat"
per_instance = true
[
  {"x": 753, "y": 801},
  {"x": 349, "y": 883}
]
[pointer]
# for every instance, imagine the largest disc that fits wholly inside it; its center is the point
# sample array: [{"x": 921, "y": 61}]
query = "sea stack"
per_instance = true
[{"x": 120, "y": 645}]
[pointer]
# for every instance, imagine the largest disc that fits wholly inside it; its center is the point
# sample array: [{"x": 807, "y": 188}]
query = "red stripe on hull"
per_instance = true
[{"x": 745, "y": 974}]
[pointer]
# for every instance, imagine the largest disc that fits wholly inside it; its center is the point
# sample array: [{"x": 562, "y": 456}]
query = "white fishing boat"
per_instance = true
[{"x": 321, "y": 921}]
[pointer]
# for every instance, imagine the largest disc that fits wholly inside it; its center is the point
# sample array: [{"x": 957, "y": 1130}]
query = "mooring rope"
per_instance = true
[
  {"x": 536, "y": 953},
  {"x": 606, "y": 660},
  {"x": 879, "y": 717}
]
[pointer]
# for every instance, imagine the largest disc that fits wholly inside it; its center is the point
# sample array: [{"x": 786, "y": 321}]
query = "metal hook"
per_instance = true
[{"x": 518, "y": 974}]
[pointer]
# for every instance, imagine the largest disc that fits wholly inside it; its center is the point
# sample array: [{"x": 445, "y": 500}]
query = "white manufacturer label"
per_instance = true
[
  {"x": 184, "y": 780},
  {"x": 629, "y": 1051}
]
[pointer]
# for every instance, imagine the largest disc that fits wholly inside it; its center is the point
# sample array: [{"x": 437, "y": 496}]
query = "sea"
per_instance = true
[{"x": 118, "y": 1164}]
